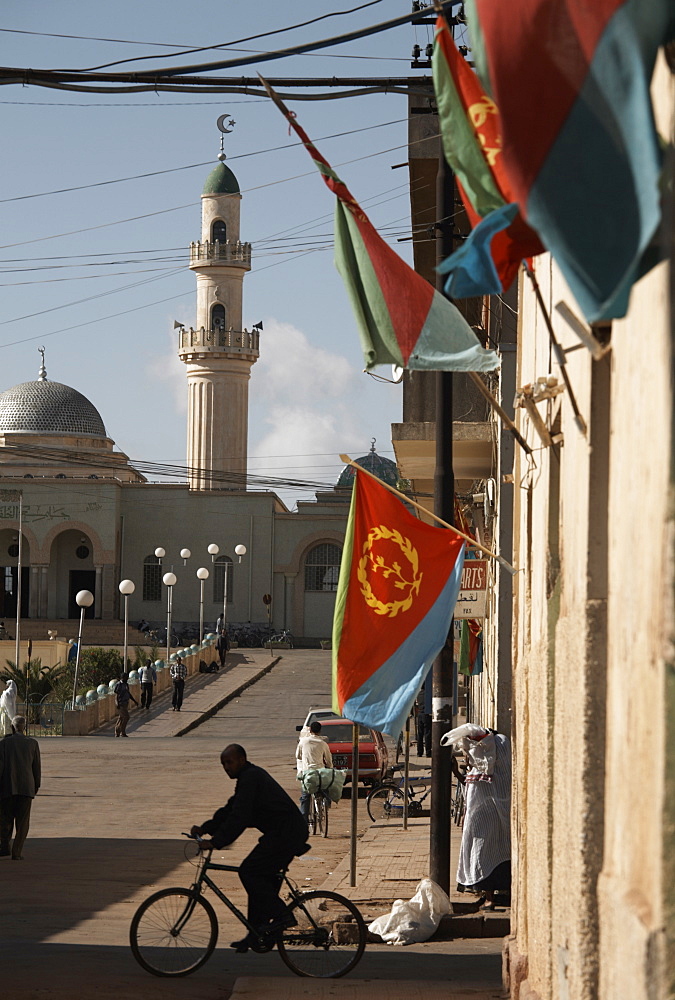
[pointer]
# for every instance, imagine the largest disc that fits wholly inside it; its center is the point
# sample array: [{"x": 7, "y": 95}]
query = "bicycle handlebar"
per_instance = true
[{"x": 199, "y": 841}]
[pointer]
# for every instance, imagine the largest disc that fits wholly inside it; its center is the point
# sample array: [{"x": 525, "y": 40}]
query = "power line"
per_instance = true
[{"x": 157, "y": 77}]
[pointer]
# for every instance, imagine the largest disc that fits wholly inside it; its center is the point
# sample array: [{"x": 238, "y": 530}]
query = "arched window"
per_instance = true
[
  {"x": 218, "y": 317},
  {"x": 152, "y": 579},
  {"x": 322, "y": 567},
  {"x": 219, "y": 580},
  {"x": 218, "y": 231}
]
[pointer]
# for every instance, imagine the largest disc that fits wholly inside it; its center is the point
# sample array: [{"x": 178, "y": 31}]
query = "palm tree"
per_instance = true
[{"x": 34, "y": 681}]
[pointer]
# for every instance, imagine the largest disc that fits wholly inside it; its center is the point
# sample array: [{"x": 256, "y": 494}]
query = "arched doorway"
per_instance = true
[
  {"x": 71, "y": 569},
  {"x": 9, "y": 569},
  {"x": 321, "y": 570}
]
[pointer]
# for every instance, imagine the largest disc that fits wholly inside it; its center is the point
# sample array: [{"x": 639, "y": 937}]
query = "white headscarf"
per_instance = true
[
  {"x": 8, "y": 706},
  {"x": 479, "y": 746}
]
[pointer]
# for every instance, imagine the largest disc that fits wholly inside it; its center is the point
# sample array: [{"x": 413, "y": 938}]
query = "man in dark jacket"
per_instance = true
[
  {"x": 223, "y": 646},
  {"x": 260, "y": 802},
  {"x": 19, "y": 782}
]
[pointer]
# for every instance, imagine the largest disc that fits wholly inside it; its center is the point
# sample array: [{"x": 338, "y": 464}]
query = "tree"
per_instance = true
[{"x": 41, "y": 680}]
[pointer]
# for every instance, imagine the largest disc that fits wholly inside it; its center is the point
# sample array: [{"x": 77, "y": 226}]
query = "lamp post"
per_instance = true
[
  {"x": 240, "y": 550},
  {"x": 202, "y": 576},
  {"x": 185, "y": 555},
  {"x": 169, "y": 580},
  {"x": 126, "y": 588},
  {"x": 84, "y": 599},
  {"x": 213, "y": 551}
]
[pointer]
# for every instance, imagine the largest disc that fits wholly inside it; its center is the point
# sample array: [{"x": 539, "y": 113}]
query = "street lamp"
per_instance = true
[
  {"x": 213, "y": 551},
  {"x": 160, "y": 553},
  {"x": 84, "y": 599},
  {"x": 240, "y": 550},
  {"x": 169, "y": 580},
  {"x": 202, "y": 576},
  {"x": 185, "y": 555},
  {"x": 126, "y": 588}
]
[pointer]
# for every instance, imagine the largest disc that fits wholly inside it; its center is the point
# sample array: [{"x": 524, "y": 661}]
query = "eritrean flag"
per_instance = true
[
  {"x": 489, "y": 259},
  {"x": 571, "y": 80},
  {"x": 402, "y": 319},
  {"x": 399, "y": 581}
]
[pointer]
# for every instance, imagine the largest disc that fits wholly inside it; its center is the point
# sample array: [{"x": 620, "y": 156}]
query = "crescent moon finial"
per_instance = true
[{"x": 225, "y": 125}]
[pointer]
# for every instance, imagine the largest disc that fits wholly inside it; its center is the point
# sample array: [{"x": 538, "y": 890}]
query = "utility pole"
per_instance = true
[{"x": 444, "y": 497}]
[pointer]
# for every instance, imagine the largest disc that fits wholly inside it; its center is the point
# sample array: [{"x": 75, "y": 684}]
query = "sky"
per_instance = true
[{"x": 98, "y": 275}]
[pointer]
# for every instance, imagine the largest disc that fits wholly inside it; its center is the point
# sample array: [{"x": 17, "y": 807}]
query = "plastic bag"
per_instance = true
[
  {"x": 324, "y": 779},
  {"x": 415, "y": 920}
]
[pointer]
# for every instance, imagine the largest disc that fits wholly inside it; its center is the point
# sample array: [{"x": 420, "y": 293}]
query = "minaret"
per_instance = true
[{"x": 219, "y": 353}]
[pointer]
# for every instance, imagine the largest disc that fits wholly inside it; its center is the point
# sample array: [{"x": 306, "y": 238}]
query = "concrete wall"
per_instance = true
[{"x": 592, "y": 630}]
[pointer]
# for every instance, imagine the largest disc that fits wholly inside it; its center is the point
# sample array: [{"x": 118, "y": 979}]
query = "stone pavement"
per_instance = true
[{"x": 204, "y": 695}]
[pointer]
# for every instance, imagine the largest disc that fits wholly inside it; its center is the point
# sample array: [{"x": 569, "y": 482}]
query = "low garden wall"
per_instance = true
[{"x": 98, "y": 707}]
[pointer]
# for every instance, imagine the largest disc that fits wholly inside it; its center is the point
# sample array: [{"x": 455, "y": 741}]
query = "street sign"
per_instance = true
[{"x": 472, "y": 598}]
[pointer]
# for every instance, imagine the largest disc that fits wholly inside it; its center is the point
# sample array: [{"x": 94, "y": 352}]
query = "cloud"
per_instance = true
[
  {"x": 308, "y": 405},
  {"x": 167, "y": 367}
]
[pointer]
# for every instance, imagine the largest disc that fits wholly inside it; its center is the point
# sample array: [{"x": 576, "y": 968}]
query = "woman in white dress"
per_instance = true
[
  {"x": 7, "y": 708},
  {"x": 485, "y": 853}
]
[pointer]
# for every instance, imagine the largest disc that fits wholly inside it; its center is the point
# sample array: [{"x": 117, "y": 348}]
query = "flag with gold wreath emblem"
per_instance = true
[{"x": 399, "y": 580}]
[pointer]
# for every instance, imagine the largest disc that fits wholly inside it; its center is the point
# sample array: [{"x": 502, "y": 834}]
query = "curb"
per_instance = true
[
  {"x": 226, "y": 698},
  {"x": 451, "y": 927}
]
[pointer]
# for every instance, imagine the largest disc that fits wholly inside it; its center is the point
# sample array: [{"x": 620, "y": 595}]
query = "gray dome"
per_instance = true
[
  {"x": 49, "y": 407},
  {"x": 381, "y": 467}
]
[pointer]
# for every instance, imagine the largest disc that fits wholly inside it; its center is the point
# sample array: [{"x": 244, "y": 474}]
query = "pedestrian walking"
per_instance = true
[
  {"x": 122, "y": 697},
  {"x": 424, "y": 721},
  {"x": 20, "y": 776},
  {"x": 178, "y": 673},
  {"x": 312, "y": 752},
  {"x": 259, "y": 802},
  {"x": 485, "y": 852},
  {"x": 7, "y": 708},
  {"x": 148, "y": 678},
  {"x": 220, "y": 623},
  {"x": 223, "y": 646}
]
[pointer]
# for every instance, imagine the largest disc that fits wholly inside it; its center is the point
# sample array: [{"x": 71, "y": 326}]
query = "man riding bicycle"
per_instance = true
[
  {"x": 312, "y": 752},
  {"x": 260, "y": 802}
]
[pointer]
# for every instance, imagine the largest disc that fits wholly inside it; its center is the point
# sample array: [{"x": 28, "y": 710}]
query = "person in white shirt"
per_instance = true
[
  {"x": 312, "y": 752},
  {"x": 148, "y": 678}
]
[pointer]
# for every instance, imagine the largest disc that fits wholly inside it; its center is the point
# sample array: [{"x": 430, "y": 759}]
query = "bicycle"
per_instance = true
[
  {"x": 283, "y": 636},
  {"x": 318, "y": 814},
  {"x": 174, "y": 932},
  {"x": 385, "y": 801}
]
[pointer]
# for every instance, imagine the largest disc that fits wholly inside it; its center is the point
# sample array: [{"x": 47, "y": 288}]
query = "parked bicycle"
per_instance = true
[
  {"x": 283, "y": 636},
  {"x": 385, "y": 801},
  {"x": 174, "y": 931}
]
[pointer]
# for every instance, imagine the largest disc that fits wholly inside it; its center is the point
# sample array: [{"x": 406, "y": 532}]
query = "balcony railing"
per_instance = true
[
  {"x": 246, "y": 341},
  {"x": 235, "y": 253}
]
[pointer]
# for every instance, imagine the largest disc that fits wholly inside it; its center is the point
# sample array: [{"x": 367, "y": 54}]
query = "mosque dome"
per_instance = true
[
  {"x": 221, "y": 180},
  {"x": 383, "y": 468},
  {"x": 45, "y": 407}
]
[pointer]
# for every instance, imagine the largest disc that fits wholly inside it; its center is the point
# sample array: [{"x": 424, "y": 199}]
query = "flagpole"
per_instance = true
[
  {"x": 557, "y": 349},
  {"x": 439, "y": 520},
  {"x": 354, "y": 803}
]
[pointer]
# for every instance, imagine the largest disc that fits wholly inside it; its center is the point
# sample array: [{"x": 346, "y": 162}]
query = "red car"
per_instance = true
[{"x": 373, "y": 756}]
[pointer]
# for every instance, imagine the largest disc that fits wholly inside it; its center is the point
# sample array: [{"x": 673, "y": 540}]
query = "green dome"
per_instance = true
[
  {"x": 221, "y": 180},
  {"x": 381, "y": 467}
]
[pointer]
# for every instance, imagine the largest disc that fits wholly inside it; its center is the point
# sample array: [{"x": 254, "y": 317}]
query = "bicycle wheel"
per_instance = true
[
  {"x": 385, "y": 802},
  {"x": 458, "y": 804},
  {"x": 329, "y": 938},
  {"x": 321, "y": 815},
  {"x": 311, "y": 819},
  {"x": 173, "y": 932}
]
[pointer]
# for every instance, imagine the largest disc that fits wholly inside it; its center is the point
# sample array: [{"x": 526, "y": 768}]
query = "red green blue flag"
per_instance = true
[
  {"x": 489, "y": 259},
  {"x": 571, "y": 79},
  {"x": 399, "y": 581},
  {"x": 402, "y": 319}
]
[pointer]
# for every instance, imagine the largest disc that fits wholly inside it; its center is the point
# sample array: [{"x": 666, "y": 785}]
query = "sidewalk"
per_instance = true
[
  {"x": 204, "y": 695},
  {"x": 390, "y": 863}
]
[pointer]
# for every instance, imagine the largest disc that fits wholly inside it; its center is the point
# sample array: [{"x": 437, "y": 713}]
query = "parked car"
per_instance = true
[
  {"x": 317, "y": 715},
  {"x": 373, "y": 755}
]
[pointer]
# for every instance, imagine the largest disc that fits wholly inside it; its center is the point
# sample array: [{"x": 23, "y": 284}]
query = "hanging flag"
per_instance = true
[
  {"x": 488, "y": 261},
  {"x": 571, "y": 80},
  {"x": 399, "y": 581},
  {"x": 402, "y": 319}
]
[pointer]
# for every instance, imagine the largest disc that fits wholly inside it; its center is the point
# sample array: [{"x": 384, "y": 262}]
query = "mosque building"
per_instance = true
[{"x": 90, "y": 519}]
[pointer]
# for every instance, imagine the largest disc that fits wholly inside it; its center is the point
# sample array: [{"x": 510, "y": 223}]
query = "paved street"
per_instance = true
[{"x": 105, "y": 834}]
